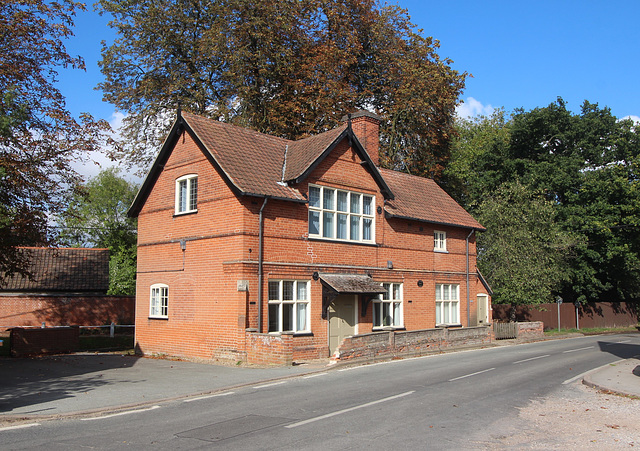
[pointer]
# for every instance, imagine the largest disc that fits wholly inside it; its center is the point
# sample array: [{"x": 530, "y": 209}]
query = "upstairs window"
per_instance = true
[
  {"x": 440, "y": 241},
  {"x": 341, "y": 215},
  {"x": 187, "y": 194}
]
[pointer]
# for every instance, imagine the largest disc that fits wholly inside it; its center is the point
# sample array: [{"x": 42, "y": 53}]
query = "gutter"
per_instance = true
[
  {"x": 468, "y": 289},
  {"x": 260, "y": 261}
]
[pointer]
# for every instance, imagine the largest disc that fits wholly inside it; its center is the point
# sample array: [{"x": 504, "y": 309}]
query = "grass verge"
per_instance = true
[{"x": 592, "y": 330}]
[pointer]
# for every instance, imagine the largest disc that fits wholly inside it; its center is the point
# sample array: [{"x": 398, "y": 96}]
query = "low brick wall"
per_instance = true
[
  {"x": 268, "y": 349},
  {"x": 392, "y": 343},
  {"x": 531, "y": 330},
  {"x": 50, "y": 340},
  {"x": 20, "y": 310}
]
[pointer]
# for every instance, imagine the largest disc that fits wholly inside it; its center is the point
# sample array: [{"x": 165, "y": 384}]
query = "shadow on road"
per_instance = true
[
  {"x": 39, "y": 380},
  {"x": 622, "y": 350}
]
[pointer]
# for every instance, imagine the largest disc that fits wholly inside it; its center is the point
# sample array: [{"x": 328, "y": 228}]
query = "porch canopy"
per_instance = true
[{"x": 335, "y": 284}]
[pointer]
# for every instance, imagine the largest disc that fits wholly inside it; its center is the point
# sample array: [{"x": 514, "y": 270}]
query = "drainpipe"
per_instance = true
[
  {"x": 260, "y": 258},
  {"x": 468, "y": 291}
]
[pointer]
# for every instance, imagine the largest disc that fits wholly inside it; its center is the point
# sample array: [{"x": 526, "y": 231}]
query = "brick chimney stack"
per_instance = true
[{"x": 366, "y": 126}]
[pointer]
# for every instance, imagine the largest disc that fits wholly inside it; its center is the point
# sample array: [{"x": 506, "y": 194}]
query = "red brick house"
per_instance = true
[{"x": 253, "y": 247}]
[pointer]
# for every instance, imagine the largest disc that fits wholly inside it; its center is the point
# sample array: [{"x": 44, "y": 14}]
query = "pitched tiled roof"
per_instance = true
[
  {"x": 252, "y": 161},
  {"x": 260, "y": 165},
  {"x": 62, "y": 270},
  {"x": 303, "y": 153},
  {"x": 352, "y": 283},
  {"x": 423, "y": 200}
]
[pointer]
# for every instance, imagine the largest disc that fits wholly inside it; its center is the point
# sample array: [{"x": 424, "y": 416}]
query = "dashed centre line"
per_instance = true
[
  {"x": 270, "y": 385},
  {"x": 579, "y": 349},
  {"x": 19, "y": 426},
  {"x": 532, "y": 358},
  {"x": 350, "y": 409},
  {"x": 216, "y": 395},
  {"x": 472, "y": 374}
]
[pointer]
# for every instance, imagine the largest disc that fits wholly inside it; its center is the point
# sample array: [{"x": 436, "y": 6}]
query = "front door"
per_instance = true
[
  {"x": 342, "y": 319},
  {"x": 483, "y": 310}
]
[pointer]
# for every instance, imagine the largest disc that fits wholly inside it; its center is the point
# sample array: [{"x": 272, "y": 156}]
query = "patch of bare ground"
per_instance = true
[{"x": 575, "y": 417}]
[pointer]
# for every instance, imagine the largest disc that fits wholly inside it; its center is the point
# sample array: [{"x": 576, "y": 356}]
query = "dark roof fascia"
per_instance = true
[
  {"x": 484, "y": 282},
  {"x": 179, "y": 126},
  {"x": 267, "y": 196},
  {"x": 460, "y": 226},
  {"x": 157, "y": 167},
  {"x": 368, "y": 163},
  {"x": 212, "y": 159}
]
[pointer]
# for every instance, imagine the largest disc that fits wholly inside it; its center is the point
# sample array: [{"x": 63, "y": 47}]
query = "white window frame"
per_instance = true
[
  {"x": 278, "y": 302},
  {"x": 340, "y": 215},
  {"x": 159, "y": 301},
  {"x": 447, "y": 304},
  {"x": 190, "y": 202},
  {"x": 439, "y": 241},
  {"x": 391, "y": 301}
]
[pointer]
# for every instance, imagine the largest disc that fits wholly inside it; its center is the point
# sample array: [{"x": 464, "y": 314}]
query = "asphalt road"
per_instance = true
[{"x": 449, "y": 401}]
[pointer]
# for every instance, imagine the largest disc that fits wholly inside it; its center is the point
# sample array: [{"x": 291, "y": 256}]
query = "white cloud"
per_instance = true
[
  {"x": 471, "y": 107},
  {"x": 635, "y": 119},
  {"x": 94, "y": 162}
]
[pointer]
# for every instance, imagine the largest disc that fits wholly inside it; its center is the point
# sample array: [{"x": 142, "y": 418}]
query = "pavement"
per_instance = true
[{"x": 85, "y": 384}]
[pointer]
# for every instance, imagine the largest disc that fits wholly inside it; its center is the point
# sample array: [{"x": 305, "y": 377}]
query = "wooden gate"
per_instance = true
[{"x": 503, "y": 331}]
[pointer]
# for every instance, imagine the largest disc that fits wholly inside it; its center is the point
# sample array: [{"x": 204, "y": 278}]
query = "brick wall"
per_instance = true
[
  {"x": 53, "y": 310},
  {"x": 387, "y": 344},
  {"x": 530, "y": 330},
  {"x": 44, "y": 341}
]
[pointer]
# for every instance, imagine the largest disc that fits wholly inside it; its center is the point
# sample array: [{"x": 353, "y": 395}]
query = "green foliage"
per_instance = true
[
  {"x": 524, "y": 248},
  {"x": 586, "y": 166},
  {"x": 39, "y": 139},
  {"x": 288, "y": 68},
  {"x": 97, "y": 217}
]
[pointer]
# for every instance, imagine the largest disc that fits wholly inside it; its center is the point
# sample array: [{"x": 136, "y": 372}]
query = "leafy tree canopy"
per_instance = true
[
  {"x": 586, "y": 165},
  {"x": 287, "y": 68},
  {"x": 39, "y": 139},
  {"x": 97, "y": 217}
]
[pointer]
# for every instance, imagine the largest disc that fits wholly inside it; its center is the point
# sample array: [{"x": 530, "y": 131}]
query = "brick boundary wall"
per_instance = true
[
  {"x": 391, "y": 343},
  {"x": 50, "y": 340},
  {"x": 531, "y": 330},
  {"x": 268, "y": 349},
  {"x": 20, "y": 310}
]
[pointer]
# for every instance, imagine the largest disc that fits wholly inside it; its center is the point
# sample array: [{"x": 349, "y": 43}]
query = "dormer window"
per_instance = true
[
  {"x": 341, "y": 215},
  {"x": 187, "y": 194}
]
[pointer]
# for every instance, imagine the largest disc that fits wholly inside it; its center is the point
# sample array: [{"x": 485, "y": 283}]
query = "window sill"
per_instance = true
[
  {"x": 295, "y": 334},
  {"x": 388, "y": 328},
  {"x": 159, "y": 317},
  {"x": 185, "y": 213},
  {"x": 441, "y": 251},
  {"x": 449, "y": 326},
  {"x": 333, "y": 240}
]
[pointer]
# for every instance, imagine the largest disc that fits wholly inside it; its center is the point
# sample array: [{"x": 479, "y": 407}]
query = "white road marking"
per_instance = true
[
  {"x": 369, "y": 365},
  {"x": 617, "y": 343},
  {"x": 350, "y": 409},
  {"x": 472, "y": 374},
  {"x": 209, "y": 396},
  {"x": 579, "y": 349},
  {"x": 270, "y": 385},
  {"x": 532, "y": 358},
  {"x": 581, "y": 375},
  {"x": 19, "y": 426},
  {"x": 129, "y": 412},
  {"x": 314, "y": 375}
]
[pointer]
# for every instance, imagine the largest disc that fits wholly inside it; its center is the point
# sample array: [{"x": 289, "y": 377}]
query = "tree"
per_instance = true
[
  {"x": 290, "y": 69},
  {"x": 524, "y": 248},
  {"x": 97, "y": 217},
  {"x": 586, "y": 165},
  {"x": 39, "y": 139}
]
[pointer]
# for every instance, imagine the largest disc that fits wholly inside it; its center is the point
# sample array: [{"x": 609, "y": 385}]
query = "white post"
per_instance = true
[{"x": 112, "y": 329}]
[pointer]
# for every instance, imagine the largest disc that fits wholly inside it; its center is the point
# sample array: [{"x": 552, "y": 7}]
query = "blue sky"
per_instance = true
[{"x": 521, "y": 54}]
